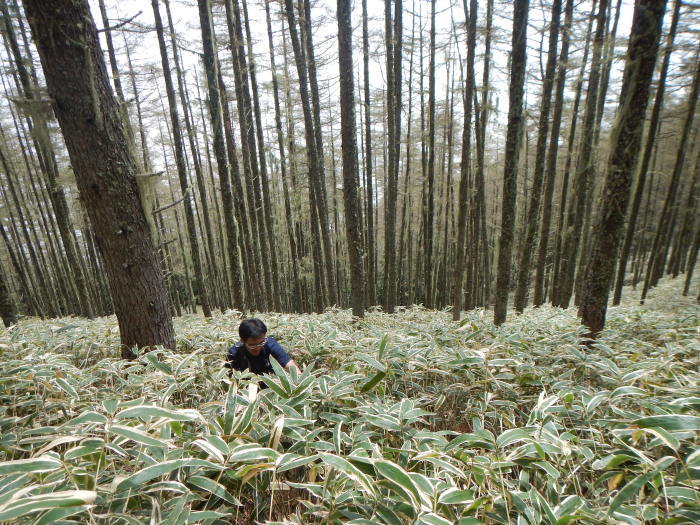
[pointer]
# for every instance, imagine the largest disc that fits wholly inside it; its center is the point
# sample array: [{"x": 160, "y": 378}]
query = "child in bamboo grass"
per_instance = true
[{"x": 254, "y": 349}]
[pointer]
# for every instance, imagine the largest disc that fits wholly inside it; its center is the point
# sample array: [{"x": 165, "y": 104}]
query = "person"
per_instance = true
[{"x": 254, "y": 349}]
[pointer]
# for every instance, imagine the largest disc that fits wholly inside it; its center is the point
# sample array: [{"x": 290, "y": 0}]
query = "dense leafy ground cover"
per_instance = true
[{"x": 397, "y": 419}]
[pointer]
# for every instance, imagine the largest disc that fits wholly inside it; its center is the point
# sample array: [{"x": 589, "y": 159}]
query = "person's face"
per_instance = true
[{"x": 254, "y": 345}]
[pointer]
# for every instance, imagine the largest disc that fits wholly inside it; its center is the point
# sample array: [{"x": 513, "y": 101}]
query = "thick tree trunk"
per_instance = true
[
  {"x": 648, "y": 150},
  {"x": 104, "y": 167},
  {"x": 626, "y": 139},
  {"x": 510, "y": 170}
]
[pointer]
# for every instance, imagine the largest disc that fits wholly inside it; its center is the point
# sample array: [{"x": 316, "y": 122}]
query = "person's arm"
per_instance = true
[{"x": 279, "y": 353}]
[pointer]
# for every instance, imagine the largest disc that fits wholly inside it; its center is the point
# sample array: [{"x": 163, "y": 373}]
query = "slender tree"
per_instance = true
[
  {"x": 510, "y": 170},
  {"x": 459, "y": 263},
  {"x": 648, "y": 150},
  {"x": 551, "y": 167},
  {"x": 353, "y": 217},
  {"x": 180, "y": 164},
  {"x": 626, "y": 139},
  {"x": 659, "y": 251},
  {"x": 528, "y": 245},
  {"x": 211, "y": 67}
]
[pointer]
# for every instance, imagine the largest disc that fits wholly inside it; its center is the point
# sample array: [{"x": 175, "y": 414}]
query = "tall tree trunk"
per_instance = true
[
  {"x": 371, "y": 247},
  {"x": 481, "y": 122},
  {"x": 648, "y": 150},
  {"x": 180, "y": 164},
  {"x": 585, "y": 168},
  {"x": 393, "y": 39},
  {"x": 551, "y": 168},
  {"x": 258, "y": 238},
  {"x": 659, "y": 251},
  {"x": 211, "y": 67},
  {"x": 351, "y": 200},
  {"x": 510, "y": 170},
  {"x": 555, "y": 288},
  {"x": 105, "y": 168},
  {"x": 209, "y": 247},
  {"x": 47, "y": 161},
  {"x": 267, "y": 203},
  {"x": 626, "y": 139},
  {"x": 429, "y": 220},
  {"x": 321, "y": 197},
  {"x": 283, "y": 167},
  {"x": 463, "y": 202},
  {"x": 312, "y": 153},
  {"x": 528, "y": 245}
]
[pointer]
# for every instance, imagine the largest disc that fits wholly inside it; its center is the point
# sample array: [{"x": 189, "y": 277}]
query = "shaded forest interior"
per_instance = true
[{"x": 290, "y": 156}]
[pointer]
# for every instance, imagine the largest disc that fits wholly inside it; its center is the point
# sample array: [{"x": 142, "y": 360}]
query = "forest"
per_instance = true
[{"x": 474, "y": 225}]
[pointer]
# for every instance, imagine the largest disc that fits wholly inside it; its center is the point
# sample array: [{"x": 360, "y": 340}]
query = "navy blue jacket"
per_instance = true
[{"x": 238, "y": 357}]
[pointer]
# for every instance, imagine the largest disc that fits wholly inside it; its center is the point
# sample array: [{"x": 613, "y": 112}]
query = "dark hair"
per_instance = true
[{"x": 251, "y": 328}]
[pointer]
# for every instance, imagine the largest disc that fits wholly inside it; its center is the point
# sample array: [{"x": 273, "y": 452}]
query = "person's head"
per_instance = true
[{"x": 253, "y": 332}]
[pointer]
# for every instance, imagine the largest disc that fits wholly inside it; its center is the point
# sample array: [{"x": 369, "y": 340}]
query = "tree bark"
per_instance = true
[
  {"x": 353, "y": 216},
  {"x": 528, "y": 245},
  {"x": 626, "y": 139},
  {"x": 104, "y": 167},
  {"x": 211, "y": 67},
  {"x": 180, "y": 164},
  {"x": 510, "y": 170},
  {"x": 463, "y": 202}
]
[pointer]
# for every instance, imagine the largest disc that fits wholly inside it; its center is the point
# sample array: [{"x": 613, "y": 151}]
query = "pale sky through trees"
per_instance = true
[{"x": 144, "y": 49}]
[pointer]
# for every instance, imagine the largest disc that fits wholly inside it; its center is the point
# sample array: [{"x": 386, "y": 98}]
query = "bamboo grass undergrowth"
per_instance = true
[{"x": 403, "y": 418}]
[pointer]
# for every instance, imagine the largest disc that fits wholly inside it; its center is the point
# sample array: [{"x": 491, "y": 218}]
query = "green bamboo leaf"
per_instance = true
[
  {"x": 291, "y": 461},
  {"x": 217, "y": 489},
  {"x": 146, "y": 411},
  {"x": 160, "y": 469},
  {"x": 369, "y": 385},
  {"x": 67, "y": 387},
  {"x": 86, "y": 417},
  {"x": 139, "y": 436},
  {"x": 454, "y": 496},
  {"x": 665, "y": 436},
  {"x": 611, "y": 461},
  {"x": 210, "y": 449},
  {"x": 382, "y": 347},
  {"x": 670, "y": 422},
  {"x": 252, "y": 452},
  {"x": 67, "y": 498},
  {"x": 511, "y": 436},
  {"x": 203, "y": 515},
  {"x": 55, "y": 515},
  {"x": 350, "y": 470},
  {"x": 630, "y": 490},
  {"x": 32, "y": 465},
  {"x": 394, "y": 473},
  {"x": 432, "y": 519}
]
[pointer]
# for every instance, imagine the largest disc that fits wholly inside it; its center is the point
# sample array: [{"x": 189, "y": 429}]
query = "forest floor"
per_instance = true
[{"x": 404, "y": 418}]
